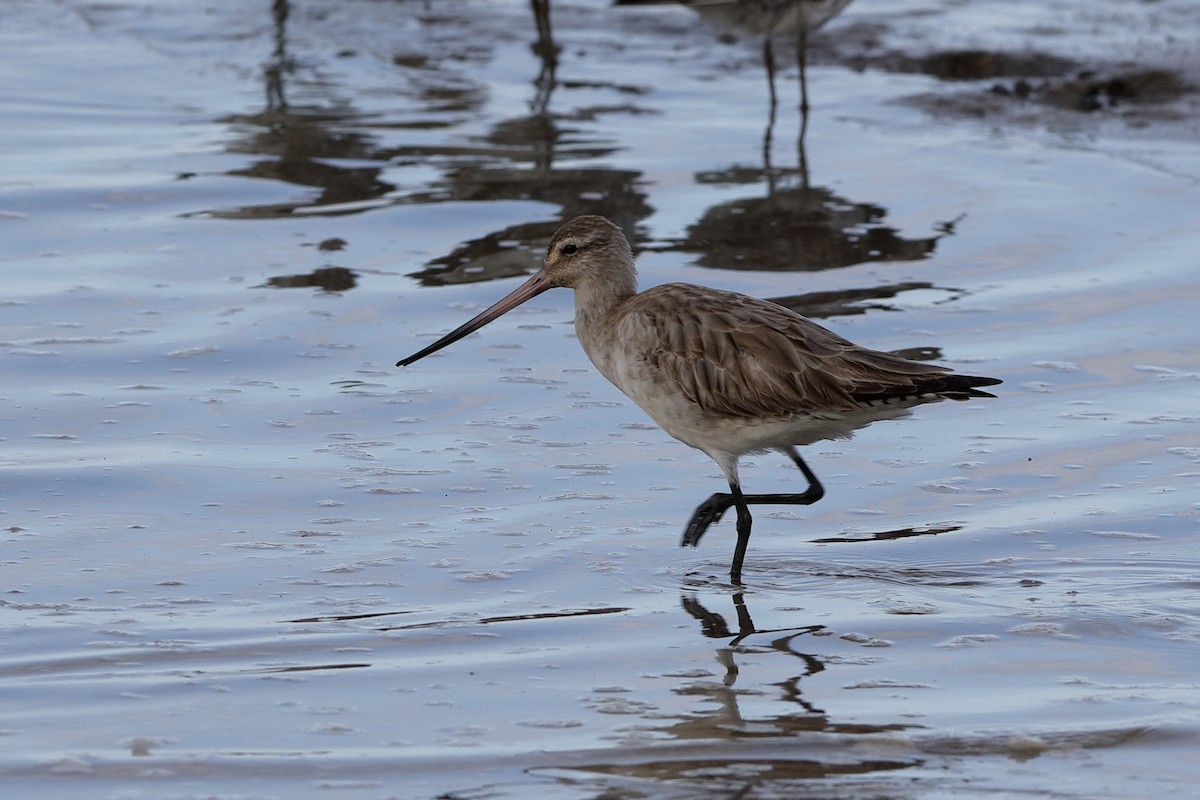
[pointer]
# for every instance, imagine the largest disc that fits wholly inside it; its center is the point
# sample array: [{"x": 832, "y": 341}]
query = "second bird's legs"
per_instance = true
[{"x": 715, "y": 506}]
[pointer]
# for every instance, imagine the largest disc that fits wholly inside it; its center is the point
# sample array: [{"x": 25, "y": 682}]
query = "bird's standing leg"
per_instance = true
[
  {"x": 715, "y": 506},
  {"x": 744, "y": 521}
]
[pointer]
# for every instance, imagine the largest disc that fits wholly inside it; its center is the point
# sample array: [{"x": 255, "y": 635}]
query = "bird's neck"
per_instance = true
[
  {"x": 598, "y": 297},
  {"x": 598, "y": 308}
]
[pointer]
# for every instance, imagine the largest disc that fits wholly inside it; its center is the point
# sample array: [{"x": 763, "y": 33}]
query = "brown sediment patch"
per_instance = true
[{"x": 1032, "y": 77}]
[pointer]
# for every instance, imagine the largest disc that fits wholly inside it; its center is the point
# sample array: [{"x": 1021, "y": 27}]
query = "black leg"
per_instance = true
[
  {"x": 712, "y": 509},
  {"x": 744, "y": 522},
  {"x": 815, "y": 490}
]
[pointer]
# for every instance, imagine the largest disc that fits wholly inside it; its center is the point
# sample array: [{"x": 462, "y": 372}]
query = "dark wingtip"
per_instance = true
[
  {"x": 963, "y": 387},
  {"x": 949, "y": 386},
  {"x": 967, "y": 394}
]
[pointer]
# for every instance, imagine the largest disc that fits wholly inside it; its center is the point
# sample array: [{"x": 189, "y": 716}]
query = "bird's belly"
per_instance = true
[
  {"x": 717, "y": 433},
  {"x": 740, "y": 435}
]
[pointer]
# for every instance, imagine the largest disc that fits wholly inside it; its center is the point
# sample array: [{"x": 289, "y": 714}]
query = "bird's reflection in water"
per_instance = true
[
  {"x": 792, "y": 225},
  {"x": 728, "y": 721},
  {"x": 519, "y": 159},
  {"x": 795, "y": 227},
  {"x": 714, "y": 626},
  {"x": 347, "y": 156},
  {"x": 299, "y": 143},
  {"x": 726, "y": 753}
]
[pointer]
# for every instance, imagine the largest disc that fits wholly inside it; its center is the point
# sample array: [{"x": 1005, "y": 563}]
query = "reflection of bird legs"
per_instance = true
[
  {"x": 279, "y": 65},
  {"x": 713, "y": 625},
  {"x": 545, "y": 49},
  {"x": 802, "y": 62},
  {"x": 769, "y": 134}
]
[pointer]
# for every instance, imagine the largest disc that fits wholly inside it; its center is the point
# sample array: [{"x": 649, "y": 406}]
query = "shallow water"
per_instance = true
[{"x": 244, "y": 556}]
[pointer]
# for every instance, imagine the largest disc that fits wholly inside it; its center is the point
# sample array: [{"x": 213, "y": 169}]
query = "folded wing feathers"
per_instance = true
[{"x": 736, "y": 356}]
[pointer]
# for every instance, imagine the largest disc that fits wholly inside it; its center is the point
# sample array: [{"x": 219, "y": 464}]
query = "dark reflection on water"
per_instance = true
[
  {"x": 849, "y": 302},
  {"x": 727, "y": 720},
  {"x": 733, "y": 771},
  {"x": 299, "y": 140},
  {"x": 516, "y": 160},
  {"x": 792, "y": 225},
  {"x": 329, "y": 279},
  {"x": 737, "y": 776},
  {"x": 540, "y": 155},
  {"x": 798, "y": 228},
  {"x": 563, "y": 614},
  {"x": 902, "y": 533},
  {"x": 789, "y": 224},
  {"x": 518, "y": 249},
  {"x": 192, "y": 674}
]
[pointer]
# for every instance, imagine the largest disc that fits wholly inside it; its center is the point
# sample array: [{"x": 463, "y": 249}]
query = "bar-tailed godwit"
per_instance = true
[{"x": 723, "y": 372}]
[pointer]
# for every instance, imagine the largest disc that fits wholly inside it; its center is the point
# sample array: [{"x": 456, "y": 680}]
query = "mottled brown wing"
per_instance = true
[{"x": 738, "y": 356}]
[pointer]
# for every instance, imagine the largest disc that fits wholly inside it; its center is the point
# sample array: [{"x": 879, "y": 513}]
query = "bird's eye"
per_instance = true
[{"x": 569, "y": 250}]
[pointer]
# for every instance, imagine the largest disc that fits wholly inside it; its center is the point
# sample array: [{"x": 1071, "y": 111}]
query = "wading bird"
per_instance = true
[{"x": 720, "y": 371}]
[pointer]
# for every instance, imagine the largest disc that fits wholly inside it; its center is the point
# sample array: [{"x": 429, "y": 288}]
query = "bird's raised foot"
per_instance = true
[{"x": 706, "y": 514}]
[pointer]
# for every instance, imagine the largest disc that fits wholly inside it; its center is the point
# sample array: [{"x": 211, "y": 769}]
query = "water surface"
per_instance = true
[{"x": 244, "y": 556}]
